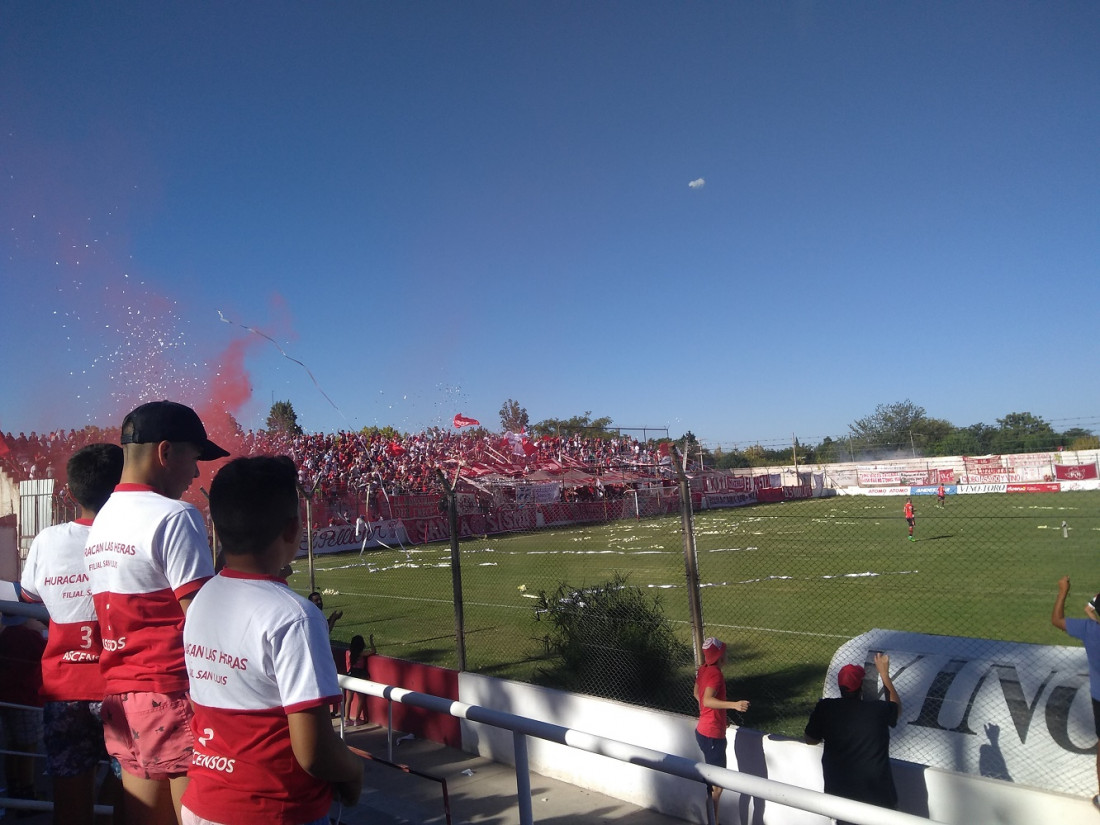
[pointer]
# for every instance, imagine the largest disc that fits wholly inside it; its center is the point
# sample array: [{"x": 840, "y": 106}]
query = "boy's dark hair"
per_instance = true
[
  {"x": 94, "y": 472},
  {"x": 251, "y": 501}
]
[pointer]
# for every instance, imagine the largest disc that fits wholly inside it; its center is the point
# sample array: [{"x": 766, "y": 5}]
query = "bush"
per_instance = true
[{"x": 611, "y": 640}]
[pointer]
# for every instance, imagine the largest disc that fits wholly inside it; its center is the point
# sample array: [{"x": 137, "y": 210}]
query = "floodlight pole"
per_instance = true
[
  {"x": 456, "y": 567},
  {"x": 691, "y": 566}
]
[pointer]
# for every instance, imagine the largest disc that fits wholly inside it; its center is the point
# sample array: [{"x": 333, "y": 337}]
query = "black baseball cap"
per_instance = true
[{"x": 168, "y": 421}]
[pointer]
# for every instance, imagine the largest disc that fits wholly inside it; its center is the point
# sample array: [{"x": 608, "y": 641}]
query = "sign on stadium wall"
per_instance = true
[
  {"x": 342, "y": 537},
  {"x": 1006, "y": 710}
]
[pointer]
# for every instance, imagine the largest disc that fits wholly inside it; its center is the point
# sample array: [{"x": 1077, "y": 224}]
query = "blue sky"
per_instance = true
[{"x": 438, "y": 206}]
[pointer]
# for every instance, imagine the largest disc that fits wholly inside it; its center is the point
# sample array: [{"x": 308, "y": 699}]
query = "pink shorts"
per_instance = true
[{"x": 149, "y": 733}]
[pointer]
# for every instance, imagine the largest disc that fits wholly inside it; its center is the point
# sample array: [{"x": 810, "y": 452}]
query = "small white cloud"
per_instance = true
[{"x": 698, "y": 183}]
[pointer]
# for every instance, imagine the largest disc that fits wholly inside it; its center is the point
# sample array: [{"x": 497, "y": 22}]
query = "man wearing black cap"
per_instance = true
[
  {"x": 856, "y": 761},
  {"x": 1088, "y": 631},
  {"x": 147, "y": 556}
]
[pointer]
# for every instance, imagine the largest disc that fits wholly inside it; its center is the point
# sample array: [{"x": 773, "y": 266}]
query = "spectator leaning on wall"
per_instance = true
[{"x": 856, "y": 761}]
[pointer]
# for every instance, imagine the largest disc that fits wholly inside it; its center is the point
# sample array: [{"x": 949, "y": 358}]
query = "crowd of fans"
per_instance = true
[{"x": 370, "y": 466}]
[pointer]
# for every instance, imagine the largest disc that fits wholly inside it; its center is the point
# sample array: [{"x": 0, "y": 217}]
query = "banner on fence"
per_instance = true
[
  {"x": 982, "y": 461},
  {"x": 712, "y": 500},
  {"x": 548, "y": 493},
  {"x": 341, "y": 537},
  {"x": 1007, "y": 710},
  {"x": 1074, "y": 472},
  {"x": 895, "y": 478}
]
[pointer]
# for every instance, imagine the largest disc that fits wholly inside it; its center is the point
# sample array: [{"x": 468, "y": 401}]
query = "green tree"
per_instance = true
[
  {"x": 611, "y": 640},
  {"x": 889, "y": 427},
  {"x": 1082, "y": 442},
  {"x": 1078, "y": 438},
  {"x": 1022, "y": 432},
  {"x": 693, "y": 451},
  {"x": 929, "y": 435},
  {"x": 830, "y": 451},
  {"x": 728, "y": 460},
  {"x": 587, "y": 426},
  {"x": 973, "y": 440},
  {"x": 513, "y": 417},
  {"x": 283, "y": 419}
]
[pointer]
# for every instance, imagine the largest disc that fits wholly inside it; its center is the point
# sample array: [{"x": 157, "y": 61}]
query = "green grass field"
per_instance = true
[{"x": 784, "y": 584}]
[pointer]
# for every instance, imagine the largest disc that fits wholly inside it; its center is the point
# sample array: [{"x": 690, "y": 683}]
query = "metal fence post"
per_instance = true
[
  {"x": 691, "y": 567},
  {"x": 456, "y": 569}
]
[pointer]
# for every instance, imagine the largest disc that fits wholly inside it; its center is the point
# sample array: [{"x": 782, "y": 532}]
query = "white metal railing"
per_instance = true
[
  {"x": 522, "y": 727},
  {"x": 781, "y": 793}
]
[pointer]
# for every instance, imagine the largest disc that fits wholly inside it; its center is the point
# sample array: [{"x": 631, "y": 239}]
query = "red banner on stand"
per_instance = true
[{"x": 1074, "y": 472}]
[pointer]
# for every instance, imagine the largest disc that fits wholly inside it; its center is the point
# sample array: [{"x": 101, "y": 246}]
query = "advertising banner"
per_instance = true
[
  {"x": 977, "y": 489},
  {"x": 932, "y": 489},
  {"x": 1033, "y": 488},
  {"x": 885, "y": 491},
  {"x": 1006, "y": 710}
]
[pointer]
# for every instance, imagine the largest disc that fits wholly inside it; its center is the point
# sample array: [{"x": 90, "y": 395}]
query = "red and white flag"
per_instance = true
[{"x": 463, "y": 421}]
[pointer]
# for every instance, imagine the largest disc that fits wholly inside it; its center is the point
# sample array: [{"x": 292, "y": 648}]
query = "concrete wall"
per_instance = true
[{"x": 942, "y": 795}]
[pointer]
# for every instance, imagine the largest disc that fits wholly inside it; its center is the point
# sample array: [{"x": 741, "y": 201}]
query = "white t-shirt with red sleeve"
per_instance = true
[
  {"x": 144, "y": 553},
  {"x": 256, "y": 652},
  {"x": 54, "y": 574}
]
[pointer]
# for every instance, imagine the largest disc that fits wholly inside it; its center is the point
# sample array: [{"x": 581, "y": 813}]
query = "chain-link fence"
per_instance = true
[{"x": 604, "y": 608}]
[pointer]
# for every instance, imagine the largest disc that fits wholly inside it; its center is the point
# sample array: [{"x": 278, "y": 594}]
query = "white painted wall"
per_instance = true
[{"x": 942, "y": 795}]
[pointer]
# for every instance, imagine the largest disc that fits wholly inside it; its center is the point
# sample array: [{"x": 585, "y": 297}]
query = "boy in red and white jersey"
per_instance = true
[
  {"x": 147, "y": 555},
  {"x": 262, "y": 673},
  {"x": 71, "y": 682}
]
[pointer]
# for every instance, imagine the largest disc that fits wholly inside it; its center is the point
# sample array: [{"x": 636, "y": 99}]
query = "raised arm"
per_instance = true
[
  {"x": 882, "y": 665},
  {"x": 1058, "y": 615},
  {"x": 709, "y": 700}
]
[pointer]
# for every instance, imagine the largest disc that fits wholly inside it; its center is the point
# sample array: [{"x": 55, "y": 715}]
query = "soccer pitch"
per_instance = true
[{"x": 785, "y": 584}]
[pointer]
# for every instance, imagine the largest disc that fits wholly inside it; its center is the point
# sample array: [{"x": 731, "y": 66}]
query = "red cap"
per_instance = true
[
  {"x": 713, "y": 649},
  {"x": 850, "y": 678}
]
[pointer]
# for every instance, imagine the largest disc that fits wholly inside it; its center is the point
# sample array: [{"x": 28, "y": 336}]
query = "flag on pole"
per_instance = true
[{"x": 463, "y": 421}]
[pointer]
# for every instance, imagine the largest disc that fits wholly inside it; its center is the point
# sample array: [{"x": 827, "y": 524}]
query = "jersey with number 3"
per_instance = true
[{"x": 55, "y": 575}]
